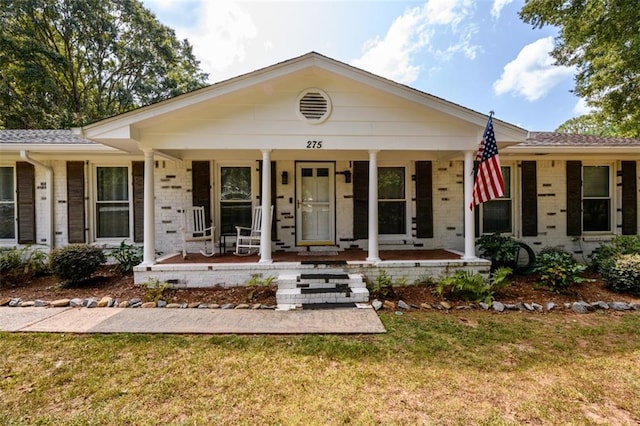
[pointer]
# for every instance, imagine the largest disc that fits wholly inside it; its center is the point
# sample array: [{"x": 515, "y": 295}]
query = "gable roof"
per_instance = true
[
  {"x": 572, "y": 139},
  {"x": 122, "y": 127},
  {"x": 47, "y": 140}
]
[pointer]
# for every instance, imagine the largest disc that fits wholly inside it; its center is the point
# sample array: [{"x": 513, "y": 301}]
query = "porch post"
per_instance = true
[
  {"x": 469, "y": 218},
  {"x": 265, "y": 230},
  {"x": 373, "y": 256},
  {"x": 149, "y": 254}
]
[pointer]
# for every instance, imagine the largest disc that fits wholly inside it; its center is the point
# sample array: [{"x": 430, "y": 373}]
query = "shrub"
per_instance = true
[
  {"x": 127, "y": 256},
  {"x": 471, "y": 286},
  {"x": 622, "y": 273},
  {"x": 382, "y": 287},
  {"x": 11, "y": 266},
  {"x": 76, "y": 262},
  {"x": 154, "y": 290},
  {"x": 500, "y": 249},
  {"x": 558, "y": 270},
  {"x": 621, "y": 244},
  {"x": 259, "y": 286},
  {"x": 38, "y": 263}
]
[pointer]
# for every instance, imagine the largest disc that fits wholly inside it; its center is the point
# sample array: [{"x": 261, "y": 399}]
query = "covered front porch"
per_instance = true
[{"x": 228, "y": 270}]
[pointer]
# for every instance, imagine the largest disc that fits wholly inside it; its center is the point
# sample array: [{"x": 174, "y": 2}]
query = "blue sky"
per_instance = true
[{"x": 476, "y": 53}]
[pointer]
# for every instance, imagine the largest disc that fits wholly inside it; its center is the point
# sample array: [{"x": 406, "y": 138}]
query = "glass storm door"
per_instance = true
[{"x": 315, "y": 204}]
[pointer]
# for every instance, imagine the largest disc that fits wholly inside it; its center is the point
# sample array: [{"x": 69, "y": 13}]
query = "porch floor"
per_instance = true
[{"x": 350, "y": 255}]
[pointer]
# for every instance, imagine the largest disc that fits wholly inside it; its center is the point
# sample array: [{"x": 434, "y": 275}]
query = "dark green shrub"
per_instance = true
[
  {"x": 500, "y": 249},
  {"x": 621, "y": 244},
  {"x": 382, "y": 287},
  {"x": 11, "y": 266},
  {"x": 622, "y": 273},
  {"x": 558, "y": 270},
  {"x": 127, "y": 256},
  {"x": 76, "y": 262},
  {"x": 468, "y": 286}
]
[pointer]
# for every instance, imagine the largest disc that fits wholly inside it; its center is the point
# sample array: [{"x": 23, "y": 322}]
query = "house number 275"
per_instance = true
[{"x": 314, "y": 144}]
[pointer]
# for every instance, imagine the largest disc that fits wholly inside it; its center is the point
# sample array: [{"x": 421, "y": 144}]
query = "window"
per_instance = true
[
  {"x": 112, "y": 202},
  {"x": 235, "y": 198},
  {"x": 7, "y": 204},
  {"x": 496, "y": 214},
  {"x": 392, "y": 211},
  {"x": 596, "y": 199}
]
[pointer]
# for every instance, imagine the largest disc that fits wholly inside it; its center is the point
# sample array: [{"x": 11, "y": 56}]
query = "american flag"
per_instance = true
[{"x": 488, "y": 177}]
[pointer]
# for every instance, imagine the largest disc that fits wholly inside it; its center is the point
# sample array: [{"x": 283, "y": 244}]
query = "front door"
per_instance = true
[{"x": 315, "y": 203}]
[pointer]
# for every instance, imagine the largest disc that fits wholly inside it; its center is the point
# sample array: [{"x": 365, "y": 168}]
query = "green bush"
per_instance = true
[
  {"x": 558, "y": 270},
  {"x": 127, "y": 256},
  {"x": 621, "y": 244},
  {"x": 76, "y": 262},
  {"x": 11, "y": 266},
  {"x": 38, "y": 263},
  {"x": 382, "y": 287},
  {"x": 471, "y": 286},
  {"x": 622, "y": 273},
  {"x": 502, "y": 250}
]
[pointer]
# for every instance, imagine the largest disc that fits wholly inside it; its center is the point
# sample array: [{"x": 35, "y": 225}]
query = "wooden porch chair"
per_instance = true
[
  {"x": 248, "y": 239},
  {"x": 194, "y": 229}
]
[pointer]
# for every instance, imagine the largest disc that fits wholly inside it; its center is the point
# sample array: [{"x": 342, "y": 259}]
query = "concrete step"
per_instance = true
[{"x": 295, "y": 296}]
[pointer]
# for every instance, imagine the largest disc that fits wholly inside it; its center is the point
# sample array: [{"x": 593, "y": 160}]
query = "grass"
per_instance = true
[{"x": 467, "y": 368}]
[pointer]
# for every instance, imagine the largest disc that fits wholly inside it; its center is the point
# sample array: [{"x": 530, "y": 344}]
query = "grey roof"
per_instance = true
[
  {"x": 571, "y": 139},
  {"x": 43, "y": 137}
]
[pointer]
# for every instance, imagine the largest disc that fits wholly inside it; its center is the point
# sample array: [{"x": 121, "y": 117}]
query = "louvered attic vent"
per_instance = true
[{"x": 314, "y": 106}]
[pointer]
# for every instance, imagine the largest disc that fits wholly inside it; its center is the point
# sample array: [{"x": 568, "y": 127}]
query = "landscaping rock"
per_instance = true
[
  {"x": 242, "y": 306},
  {"x": 580, "y": 307},
  {"x": 528, "y": 306},
  {"x": 5, "y": 301},
  {"x": 425, "y": 306},
  {"x": 173, "y": 306},
  {"x": 75, "y": 303},
  {"x": 134, "y": 301},
  {"x": 124, "y": 304},
  {"x": 635, "y": 306},
  {"x": 27, "y": 304},
  {"x": 537, "y": 307},
  {"x": 214, "y": 306},
  {"x": 403, "y": 305},
  {"x": 550, "y": 306},
  {"x": 228, "y": 306},
  {"x": 90, "y": 303},
  {"x": 256, "y": 306},
  {"x": 484, "y": 306},
  {"x": 41, "y": 303},
  {"x": 15, "y": 302},
  {"x": 445, "y": 305},
  {"x": 620, "y": 306},
  {"x": 136, "y": 305},
  {"x": 388, "y": 304},
  {"x": 498, "y": 306},
  {"x": 161, "y": 304},
  {"x": 376, "y": 304},
  {"x": 148, "y": 305},
  {"x": 600, "y": 305},
  {"x": 106, "y": 301},
  {"x": 193, "y": 305},
  {"x": 60, "y": 303}
]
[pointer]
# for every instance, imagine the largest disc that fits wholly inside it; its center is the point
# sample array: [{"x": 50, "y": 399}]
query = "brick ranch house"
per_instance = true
[{"x": 353, "y": 161}]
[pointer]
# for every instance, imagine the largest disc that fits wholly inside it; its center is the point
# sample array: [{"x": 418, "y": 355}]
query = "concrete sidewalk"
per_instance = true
[{"x": 189, "y": 321}]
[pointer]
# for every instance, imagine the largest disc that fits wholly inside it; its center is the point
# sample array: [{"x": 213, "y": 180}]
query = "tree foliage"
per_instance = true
[
  {"x": 66, "y": 63},
  {"x": 589, "y": 124},
  {"x": 601, "y": 38}
]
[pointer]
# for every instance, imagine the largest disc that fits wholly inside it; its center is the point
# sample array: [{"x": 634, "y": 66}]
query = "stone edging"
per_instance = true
[
  {"x": 110, "y": 302},
  {"x": 580, "y": 307}
]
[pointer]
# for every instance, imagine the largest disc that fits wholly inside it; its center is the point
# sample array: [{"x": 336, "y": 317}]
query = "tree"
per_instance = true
[
  {"x": 66, "y": 63},
  {"x": 588, "y": 124},
  {"x": 601, "y": 38}
]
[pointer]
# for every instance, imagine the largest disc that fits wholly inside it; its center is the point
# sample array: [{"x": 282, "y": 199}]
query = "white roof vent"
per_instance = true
[{"x": 314, "y": 106}]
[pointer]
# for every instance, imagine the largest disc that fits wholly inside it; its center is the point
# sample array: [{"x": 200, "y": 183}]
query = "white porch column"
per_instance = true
[
  {"x": 374, "y": 255},
  {"x": 265, "y": 231},
  {"x": 149, "y": 255},
  {"x": 469, "y": 219}
]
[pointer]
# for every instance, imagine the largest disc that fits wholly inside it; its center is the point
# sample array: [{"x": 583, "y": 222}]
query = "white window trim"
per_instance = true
[
  {"x": 14, "y": 240},
  {"x": 613, "y": 199},
  {"x": 408, "y": 205},
  {"x": 217, "y": 185},
  {"x": 515, "y": 201},
  {"x": 93, "y": 221}
]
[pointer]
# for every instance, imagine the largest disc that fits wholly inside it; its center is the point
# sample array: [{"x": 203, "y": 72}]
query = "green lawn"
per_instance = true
[{"x": 430, "y": 368}]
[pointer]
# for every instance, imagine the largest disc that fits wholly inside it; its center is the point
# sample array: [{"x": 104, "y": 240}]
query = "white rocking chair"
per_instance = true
[
  {"x": 248, "y": 239},
  {"x": 194, "y": 229}
]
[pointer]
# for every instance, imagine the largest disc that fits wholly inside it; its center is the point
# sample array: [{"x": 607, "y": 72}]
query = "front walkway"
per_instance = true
[{"x": 190, "y": 321}]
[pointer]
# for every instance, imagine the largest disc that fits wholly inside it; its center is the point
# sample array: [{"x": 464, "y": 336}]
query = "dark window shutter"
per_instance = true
[
  {"x": 201, "y": 187},
  {"x": 137, "y": 172},
  {"x": 424, "y": 199},
  {"x": 629, "y": 198},
  {"x": 574, "y": 198},
  {"x": 529, "y": 199},
  {"x": 360, "y": 199},
  {"x": 26, "y": 183},
  {"x": 274, "y": 181},
  {"x": 75, "y": 202}
]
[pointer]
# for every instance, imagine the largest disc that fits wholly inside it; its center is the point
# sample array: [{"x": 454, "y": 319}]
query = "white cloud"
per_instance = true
[
  {"x": 415, "y": 31},
  {"x": 497, "y": 7},
  {"x": 581, "y": 107},
  {"x": 532, "y": 74}
]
